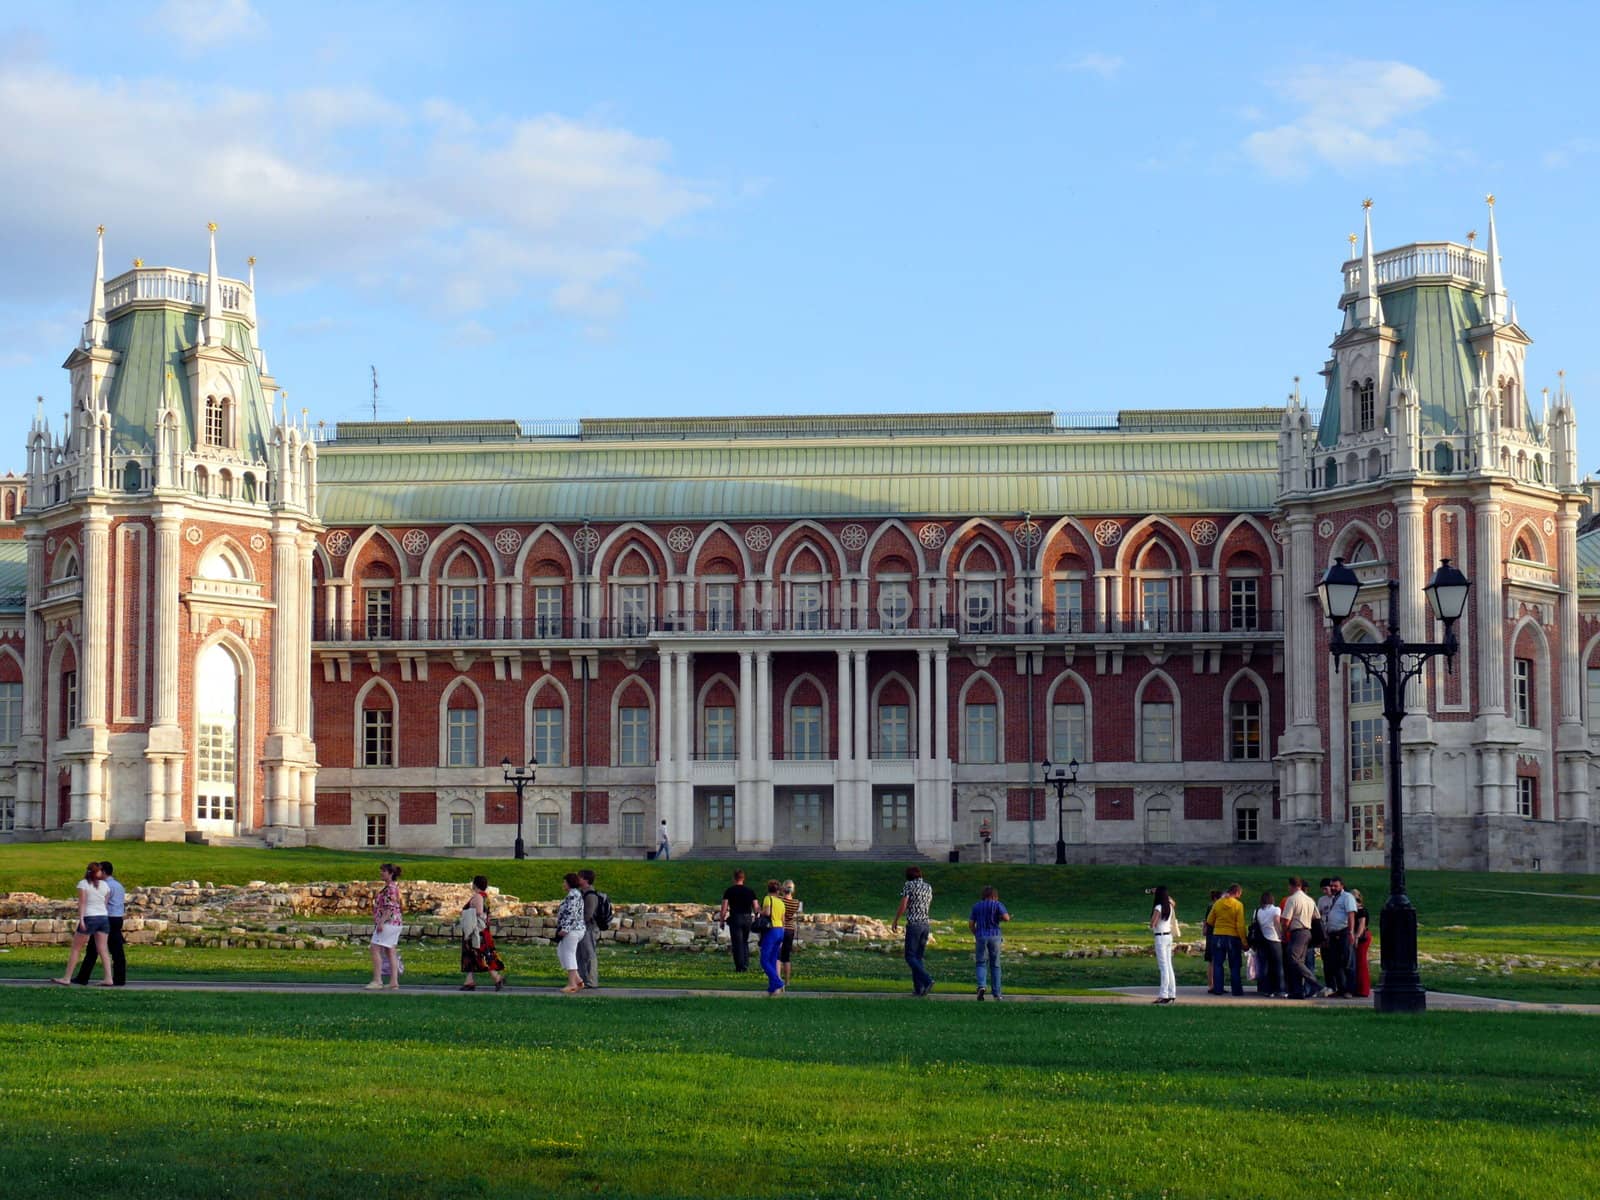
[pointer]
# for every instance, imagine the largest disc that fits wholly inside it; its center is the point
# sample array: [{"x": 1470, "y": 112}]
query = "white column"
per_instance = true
[
  {"x": 745, "y": 799},
  {"x": 762, "y": 780},
  {"x": 286, "y": 646},
  {"x": 666, "y": 737},
  {"x": 96, "y": 600},
  {"x": 862, "y": 747},
  {"x": 941, "y": 731},
  {"x": 683, "y": 711},
  {"x": 844, "y": 755}
]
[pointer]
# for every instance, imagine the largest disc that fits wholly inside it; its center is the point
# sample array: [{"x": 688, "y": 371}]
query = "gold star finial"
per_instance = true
[
  {"x": 100, "y": 229},
  {"x": 138, "y": 262},
  {"x": 1472, "y": 236},
  {"x": 1353, "y": 240},
  {"x": 1367, "y": 203},
  {"x": 1489, "y": 199},
  {"x": 251, "y": 260},
  {"x": 211, "y": 226},
  {"x": 1404, "y": 354}
]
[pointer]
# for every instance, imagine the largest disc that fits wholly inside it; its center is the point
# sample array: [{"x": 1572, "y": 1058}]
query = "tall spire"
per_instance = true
[
  {"x": 212, "y": 334},
  {"x": 1369, "y": 309},
  {"x": 255, "y": 321},
  {"x": 94, "y": 329},
  {"x": 1498, "y": 311}
]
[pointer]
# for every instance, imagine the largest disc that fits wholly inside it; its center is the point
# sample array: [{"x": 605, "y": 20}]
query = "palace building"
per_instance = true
[{"x": 802, "y": 636}]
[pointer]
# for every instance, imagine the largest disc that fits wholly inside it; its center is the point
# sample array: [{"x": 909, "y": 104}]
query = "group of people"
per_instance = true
[
  {"x": 1279, "y": 941},
  {"x": 102, "y": 903}
]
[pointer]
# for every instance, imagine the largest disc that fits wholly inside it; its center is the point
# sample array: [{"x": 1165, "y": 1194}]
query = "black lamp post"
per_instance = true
[
  {"x": 519, "y": 778},
  {"x": 1060, "y": 776},
  {"x": 1396, "y": 662}
]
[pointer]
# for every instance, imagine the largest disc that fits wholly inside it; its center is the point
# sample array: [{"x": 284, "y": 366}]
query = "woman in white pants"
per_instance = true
[
  {"x": 569, "y": 927},
  {"x": 1164, "y": 928}
]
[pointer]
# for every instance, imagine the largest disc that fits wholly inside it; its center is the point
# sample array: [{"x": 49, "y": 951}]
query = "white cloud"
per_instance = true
[
  {"x": 1095, "y": 63},
  {"x": 201, "y": 25},
  {"x": 335, "y": 187},
  {"x": 1563, "y": 156},
  {"x": 1350, "y": 118}
]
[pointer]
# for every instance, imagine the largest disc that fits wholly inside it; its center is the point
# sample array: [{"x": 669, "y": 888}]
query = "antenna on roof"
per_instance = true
[{"x": 374, "y": 393}]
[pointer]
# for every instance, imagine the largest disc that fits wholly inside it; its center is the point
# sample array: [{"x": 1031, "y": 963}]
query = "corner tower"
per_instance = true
[
  {"x": 1427, "y": 448},
  {"x": 169, "y": 528}
]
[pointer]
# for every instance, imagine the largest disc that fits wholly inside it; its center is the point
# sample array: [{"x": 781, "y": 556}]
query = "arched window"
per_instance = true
[
  {"x": 216, "y": 430},
  {"x": 1158, "y": 821},
  {"x": 1444, "y": 458},
  {"x": 547, "y": 722},
  {"x": 463, "y": 824},
  {"x": 247, "y": 491},
  {"x": 202, "y": 481},
  {"x": 377, "y": 731},
  {"x": 463, "y": 732},
  {"x": 1524, "y": 549},
  {"x": 216, "y": 700},
  {"x": 981, "y": 721},
  {"x": 1330, "y": 474},
  {"x": 1509, "y": 416},
  {"x": 1366, "y": 407},
  {"x": 1158, "y": 733},
  {"x": 132, "y": 479},
  {"x": 631, "y": 823}
]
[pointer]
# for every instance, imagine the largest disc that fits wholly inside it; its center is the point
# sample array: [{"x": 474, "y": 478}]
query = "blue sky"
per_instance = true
[{"x": 542, "y": 211}]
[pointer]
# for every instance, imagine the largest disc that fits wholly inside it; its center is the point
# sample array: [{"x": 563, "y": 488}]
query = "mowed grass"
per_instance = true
[
  {"x": 1465, "y": 916},
  {"x": 147, "y": 1095}
]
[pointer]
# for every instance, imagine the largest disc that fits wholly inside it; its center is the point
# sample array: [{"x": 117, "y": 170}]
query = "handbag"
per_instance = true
[
  {"x": 1319, "y": 936},
  {"x": 763, "y": 924},
  {"x": 1252, "y": 964}
]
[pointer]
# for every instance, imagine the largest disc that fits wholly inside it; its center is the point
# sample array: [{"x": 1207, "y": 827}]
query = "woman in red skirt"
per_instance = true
[
  {"x": 477, "y": 942},
  {"x": 1362, "y": 931}
]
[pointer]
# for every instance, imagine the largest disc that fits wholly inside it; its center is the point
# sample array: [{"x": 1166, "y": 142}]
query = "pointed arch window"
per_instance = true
[
  {"x": 219, "y": 418},
  {"x": 1508, "y": 404},
  {"x": 377, "y": 729},
  {"x": 1366, "y": 407},
  {"x": 462, "y": 729}
]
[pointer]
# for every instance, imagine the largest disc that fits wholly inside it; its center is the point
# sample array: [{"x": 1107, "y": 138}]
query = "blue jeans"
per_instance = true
[
  {"x": 1226, "y": 948},
  {"x": 988, "y": 959},
  {"x": 916, "y": 947},
  {"x": 771, "y": 943},
  {"x": 663, "y": 852}
]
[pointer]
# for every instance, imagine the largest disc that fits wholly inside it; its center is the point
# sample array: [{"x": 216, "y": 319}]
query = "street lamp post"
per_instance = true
[
  {"x": 1060, "y": 776},
  {"x": 1396, "y": 662},
  {"x": 519, "y": 778}
]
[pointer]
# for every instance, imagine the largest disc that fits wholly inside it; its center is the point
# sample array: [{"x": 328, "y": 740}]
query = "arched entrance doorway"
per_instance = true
[{"x": 216, "y": 802}]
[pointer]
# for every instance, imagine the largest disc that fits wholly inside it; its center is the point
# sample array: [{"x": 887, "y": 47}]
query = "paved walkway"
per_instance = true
[{"x": 1195, "y": 996}]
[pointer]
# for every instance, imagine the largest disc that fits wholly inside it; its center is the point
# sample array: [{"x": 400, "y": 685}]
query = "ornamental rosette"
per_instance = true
[
  {"x": 932, "y": 536},
  {"x": 680, "y": 538},
  {"x": 854, "y": 537},
  {"x": 1203, "y": 531},
  {"x": 1028, "y": 534},
  {"x": 586, "y": 540},
  {"x": 415, "y": 542},
  {"x": 338, "y": 543},
  {"x": 758, "y": 538},
  {"x": 1108, "y": 533},
  {"x": 508, "y": 541}
]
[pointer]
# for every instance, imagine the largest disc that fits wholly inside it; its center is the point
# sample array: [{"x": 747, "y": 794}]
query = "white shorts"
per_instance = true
[
  {"x": 388, "y": 936},
  {"x": 567, "y": 950}
]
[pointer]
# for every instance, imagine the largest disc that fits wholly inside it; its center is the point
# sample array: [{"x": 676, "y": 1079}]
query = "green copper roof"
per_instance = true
[
  {"x": 1432, "y": 321},
  {"x": 1589, "y": 561},
  {"x": 152, "y": 342},
  {"x": 13, "y": 575},
  {"x": 1001, "y": 475}
]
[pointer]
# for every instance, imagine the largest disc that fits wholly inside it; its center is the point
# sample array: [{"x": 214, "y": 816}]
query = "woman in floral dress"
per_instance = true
[
  {"x": 569, "y": 928},
  {"x": 386, "y": 927},
  {"x": 477, "y": 948}
]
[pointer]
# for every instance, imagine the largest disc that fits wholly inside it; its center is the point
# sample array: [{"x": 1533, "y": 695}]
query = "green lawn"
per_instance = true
[
  {"x": 147, "y": 1095},
  {"x": 1471, "y": 922}
]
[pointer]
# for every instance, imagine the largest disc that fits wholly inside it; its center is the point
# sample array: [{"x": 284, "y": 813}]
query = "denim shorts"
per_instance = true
[{"x": 93, "y": 925}]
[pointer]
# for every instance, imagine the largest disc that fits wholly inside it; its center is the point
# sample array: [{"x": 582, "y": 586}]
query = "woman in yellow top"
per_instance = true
[{"x": 771, "y": 923}]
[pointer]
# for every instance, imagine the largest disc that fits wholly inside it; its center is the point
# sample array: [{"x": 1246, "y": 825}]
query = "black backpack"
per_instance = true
[{"x": 602, "y": 911}]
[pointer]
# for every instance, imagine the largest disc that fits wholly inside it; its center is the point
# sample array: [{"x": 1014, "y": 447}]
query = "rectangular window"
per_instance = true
[
  {"x": 983, "y": 742},
  {"x": 1067, "y": 729},
  {"x": 805, "y": 813},
  {"x": 546, "y": 829},
  {"x": 1522, "y": 691},
  {"x": 215, "y": 759},
  {"x": 1593, "y": 679},
  {"x": 719, "y": 740},
  {"x": 8, "y": 814},
  {"x": 461, "y": 829},
  {"x": 1247, "y": 824},
  {"x": 1244, "y": 604},
  {"x": 1527, "y": 796},
  {"x": 69, "y": 700},
  {"x": 1155, "y": 722},
  {"x": 894, "y": 604},
  {"x": 463, "y": 605},
  {"x": 214, "y": 424},
  {"x": 719, "y": 812},
  {"x": 11, "y": 713},
  {"x": 380, "y": 612},
  {"x": 547, "y": 611},
  {"x": 462, "y": 726},
  {"x": 1244, "y": 730},
  {"x": 633, "y": 828},
  {"x": 805, "y": 732},
  {"x": 1366, "y": 750},
  {"x": 377, "y": 829},
  {"x": 550, "y": 736},
  {"x": 1073, "y": 825},
  {"x": 894, "y": 731},
  {"x": 377, "y": 737},
  {"x": 1155, "y": 605},
  {"x": 1365, "y": 688},
  {"x": 633, "y": 737},
  {"x": 633, "y": 607},
  {"x": 894, "y": 812},
  {"x": 1069, "y": 606},
  {"x": 978, "y": 607},
  {"x": 719, "y": 607},
  {"x": 1158, "y": 823},
  {"x": 806, "y": 602}
]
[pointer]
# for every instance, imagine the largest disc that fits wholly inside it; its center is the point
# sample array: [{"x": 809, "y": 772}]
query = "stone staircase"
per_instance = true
[
  {"x": 906, "y": 854},
  {"x": 196, "y": 837}
]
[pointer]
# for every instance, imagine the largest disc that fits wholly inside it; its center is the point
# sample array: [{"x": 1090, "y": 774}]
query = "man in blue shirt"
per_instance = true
[
  {"x": 116, "y": 909},
  {"x": 1336, "y": 956},
  {"x": 984, "y": 922}
]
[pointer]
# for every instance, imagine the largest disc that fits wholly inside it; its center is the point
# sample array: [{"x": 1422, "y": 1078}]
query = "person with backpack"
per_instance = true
[
  {"x": 477, "y": 942},
  {"x": 596, "y": 916}
]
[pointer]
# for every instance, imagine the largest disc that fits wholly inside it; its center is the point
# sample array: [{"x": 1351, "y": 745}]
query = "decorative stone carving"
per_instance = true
[
  {"x": 1108, "y": 533},
  {"x": 1028, "y": 534},
  {"x": 192, "y": 535},
  {"x": 758, "y": 538},
  {"x": 1280, "y": 533},
  {"x": 338, "y": 543},
  {"x": 1203, "y": 531},
  {"x": 415, "y": 542},
  {"x": 680, "y": 539},
  {"x": 1385, "y": 519},
  {"x": 508, "y": 541},
  {"x": 258, "y": 542},
  {"x": 586, "y": 540},
  {"x": 932, "y": 536},
  {"x": 1505, "y": 518},
  {"x": 1549, "y": 526},
  {"x": 50, "y": 545},
  {"x": 854, "y": 537},
  {"x": 1325, "y": 529}
]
